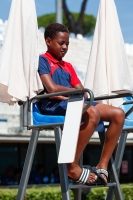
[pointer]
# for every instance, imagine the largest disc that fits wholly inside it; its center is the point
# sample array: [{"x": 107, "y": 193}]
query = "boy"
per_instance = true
[{"x": 58, "y": 75}]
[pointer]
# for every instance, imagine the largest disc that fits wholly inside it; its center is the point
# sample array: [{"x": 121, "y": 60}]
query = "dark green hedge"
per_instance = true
[
  {"x": 54, "y": 193},
  {"x": 34, "y": 193}
]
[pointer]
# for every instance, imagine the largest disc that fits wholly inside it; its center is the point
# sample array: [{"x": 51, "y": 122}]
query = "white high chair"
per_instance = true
[{"x": 44, "y": 122}]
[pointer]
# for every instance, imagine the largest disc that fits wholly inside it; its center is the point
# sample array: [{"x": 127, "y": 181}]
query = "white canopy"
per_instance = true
[
  {"x": 19, "y": 78},
  {"x": 108, "y": 68}
]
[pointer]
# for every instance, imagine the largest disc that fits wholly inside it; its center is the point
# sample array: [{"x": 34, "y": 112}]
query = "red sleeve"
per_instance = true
[{"x": 74, "y": 78}]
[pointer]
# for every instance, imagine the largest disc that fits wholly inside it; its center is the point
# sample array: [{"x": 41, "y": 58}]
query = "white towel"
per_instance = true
[
  {"x": 108, "y": 68},
  {"x": 19, "y": 78}
]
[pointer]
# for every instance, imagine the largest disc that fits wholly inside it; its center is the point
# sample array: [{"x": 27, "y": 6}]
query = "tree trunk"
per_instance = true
[
  {"x": 75, "y": 26},
  {"x": 81, "y": 15},
  {"x": 69, "y": 16}
]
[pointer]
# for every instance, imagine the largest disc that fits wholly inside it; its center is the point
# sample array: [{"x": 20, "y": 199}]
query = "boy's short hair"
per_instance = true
[{"x": 52, "y": 29}]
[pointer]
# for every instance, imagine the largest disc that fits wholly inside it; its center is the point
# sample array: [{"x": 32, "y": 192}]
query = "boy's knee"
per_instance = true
[
  {"x": 94, "y": 115},
  {"x": 119, "y": 115}
]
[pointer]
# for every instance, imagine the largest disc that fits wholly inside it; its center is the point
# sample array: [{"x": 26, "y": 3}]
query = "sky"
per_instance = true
[{"x": 124, "y": 9}]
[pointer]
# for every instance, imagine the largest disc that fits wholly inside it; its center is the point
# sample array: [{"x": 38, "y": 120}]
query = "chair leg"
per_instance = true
[
  {"x": 113, "y": 175},
  {"x": 77, "y": 194},
  {"x": 28, "y": 164},
  {"x": 62, "y": 167},
  {"x": 114, "y": 178},
  {"x": 120, "y": 151},
  {"x": 118, "y": 159}
]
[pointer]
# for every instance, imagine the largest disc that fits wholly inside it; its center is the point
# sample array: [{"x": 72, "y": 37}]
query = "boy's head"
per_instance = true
[
  {"x": 53, "y": 28},
  {"x": 57, "y": 39}
]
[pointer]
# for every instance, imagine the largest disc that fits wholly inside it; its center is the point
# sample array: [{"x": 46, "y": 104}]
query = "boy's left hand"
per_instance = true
[{"x": 59, "y": 97}]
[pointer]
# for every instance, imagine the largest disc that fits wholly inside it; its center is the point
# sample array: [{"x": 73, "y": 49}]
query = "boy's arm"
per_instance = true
[
  {"x": 52, "y": 87},
  {"x": 80, "y": 86}
]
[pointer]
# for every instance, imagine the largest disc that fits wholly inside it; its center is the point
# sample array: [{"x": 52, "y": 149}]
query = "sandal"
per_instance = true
[
  {"x": 84, "y": 178},
  {"x": 99, "y": 173}
]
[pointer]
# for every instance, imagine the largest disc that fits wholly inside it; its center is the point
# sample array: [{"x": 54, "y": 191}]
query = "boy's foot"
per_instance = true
[
  {"x": 95, "y": 176},
  {"x": 102, "y": 174},
  {"x": 77, "y": 172}
]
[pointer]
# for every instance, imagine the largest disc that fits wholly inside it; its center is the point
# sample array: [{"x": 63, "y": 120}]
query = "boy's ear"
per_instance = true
[{"x": 48, "y": 40}]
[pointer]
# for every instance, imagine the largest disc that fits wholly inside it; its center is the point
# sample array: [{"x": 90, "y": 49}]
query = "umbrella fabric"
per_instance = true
[
  {"x": 19, "y": 78},
  {"x": 108, "y": 68}
]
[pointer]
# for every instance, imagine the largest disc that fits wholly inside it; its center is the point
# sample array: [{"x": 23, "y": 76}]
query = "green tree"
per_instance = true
[{"x": 88, "y": 23}]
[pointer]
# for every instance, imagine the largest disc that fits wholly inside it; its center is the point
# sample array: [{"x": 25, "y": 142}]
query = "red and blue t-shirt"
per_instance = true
[{"x": 62, "y": 72}]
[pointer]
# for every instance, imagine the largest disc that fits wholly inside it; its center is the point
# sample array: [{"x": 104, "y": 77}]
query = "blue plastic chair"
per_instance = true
[{"x": 44, "y": 122}]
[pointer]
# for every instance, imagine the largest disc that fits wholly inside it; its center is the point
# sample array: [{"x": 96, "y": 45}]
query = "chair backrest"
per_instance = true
[
  {"x": 129, "y": 119},
  {"x": 127, "y": 107}
]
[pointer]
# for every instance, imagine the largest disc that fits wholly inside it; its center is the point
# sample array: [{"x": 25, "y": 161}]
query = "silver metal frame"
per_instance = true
[{"x": 114, "y": 185}]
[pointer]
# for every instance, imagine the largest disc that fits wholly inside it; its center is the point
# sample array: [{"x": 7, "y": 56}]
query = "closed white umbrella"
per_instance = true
[
  {"x": 19, "y": 78},
  {"x": 108, "y": 68}
]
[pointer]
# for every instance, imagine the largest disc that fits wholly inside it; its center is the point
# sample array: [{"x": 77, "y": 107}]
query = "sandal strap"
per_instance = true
[
  {"x": 84, "y": 176},
  {"x": 102, "y": 171}
]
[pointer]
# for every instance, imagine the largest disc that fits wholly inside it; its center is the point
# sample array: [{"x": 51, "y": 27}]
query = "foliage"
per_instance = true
[
  {"x": 88, "y": 22},
  {"x": 54, "y": 193},
  {"x": 44, "y": 20},
  {"x": 34, "y": 193}
]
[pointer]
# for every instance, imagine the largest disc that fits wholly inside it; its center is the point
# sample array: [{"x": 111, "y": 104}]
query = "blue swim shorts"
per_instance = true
[{"x": 55, "y": 107}]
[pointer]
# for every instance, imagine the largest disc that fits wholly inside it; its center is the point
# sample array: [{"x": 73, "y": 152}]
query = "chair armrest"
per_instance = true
[
  {"x": 69, "y": 93},
  {"x": 127, "y": 102},
  {"x": 113, "y": 96}
]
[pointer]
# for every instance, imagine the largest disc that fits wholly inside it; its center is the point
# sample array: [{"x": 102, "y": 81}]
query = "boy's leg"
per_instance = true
[
  {"x": 91, "y": 119},
  {"x": 115, "y": 117}
]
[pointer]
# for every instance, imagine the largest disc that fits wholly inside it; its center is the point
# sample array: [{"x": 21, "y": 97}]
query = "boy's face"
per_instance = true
[{"x": 58, "y": 46}]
